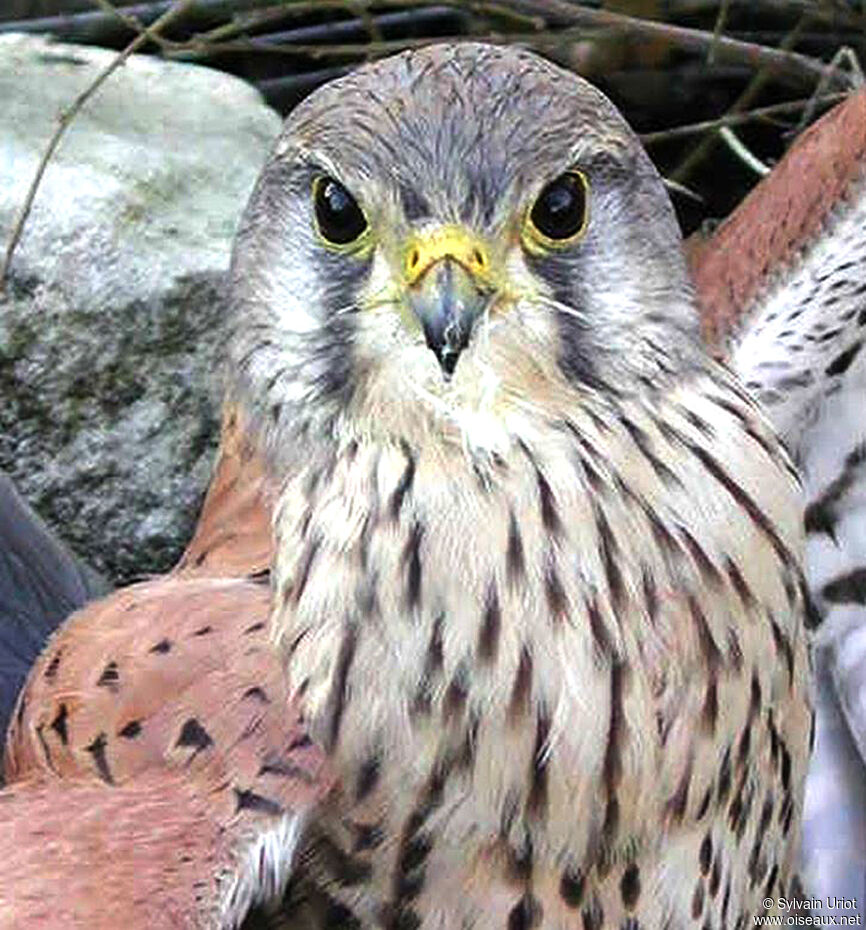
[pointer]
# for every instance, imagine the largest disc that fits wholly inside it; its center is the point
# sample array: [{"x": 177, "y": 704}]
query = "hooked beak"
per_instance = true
[
  {"x": 447, "y": 274},
  {"x": 447, "y": 303}
]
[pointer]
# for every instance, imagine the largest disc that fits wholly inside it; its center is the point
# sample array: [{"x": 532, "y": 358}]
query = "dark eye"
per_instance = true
[
  {"x": 339, "y": 218},
  {"x": 559, "y": 213}
]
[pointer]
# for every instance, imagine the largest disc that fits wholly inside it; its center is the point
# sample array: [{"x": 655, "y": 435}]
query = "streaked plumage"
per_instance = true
[
  {"x": 783, "y": 288},
  {"x": 545, "y": 615}
]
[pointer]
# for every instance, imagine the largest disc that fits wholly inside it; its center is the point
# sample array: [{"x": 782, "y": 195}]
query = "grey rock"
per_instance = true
[{"x": 111, "y": 325}]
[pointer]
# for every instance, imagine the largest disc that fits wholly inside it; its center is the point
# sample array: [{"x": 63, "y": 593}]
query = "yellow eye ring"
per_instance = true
[
  {"x": 340, "y": 221},
  {"x": 560, "y": 214}
]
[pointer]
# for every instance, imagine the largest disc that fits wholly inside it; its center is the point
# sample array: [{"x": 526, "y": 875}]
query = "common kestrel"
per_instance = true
[
  {"x": 537, "y": 588},
  {"x": 538, "y": 559}
]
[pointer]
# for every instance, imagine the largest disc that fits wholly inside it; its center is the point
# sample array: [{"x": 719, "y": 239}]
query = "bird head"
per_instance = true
[{"x": 448, "y": 237}]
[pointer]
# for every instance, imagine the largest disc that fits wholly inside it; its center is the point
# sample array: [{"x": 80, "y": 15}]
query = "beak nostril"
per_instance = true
[
  {"x": 478, "y": 258},
  {"x": 414, "y": 258}
]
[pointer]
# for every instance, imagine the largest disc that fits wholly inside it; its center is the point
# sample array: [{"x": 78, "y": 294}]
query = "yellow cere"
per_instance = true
[{"x": 425, "y": 249}]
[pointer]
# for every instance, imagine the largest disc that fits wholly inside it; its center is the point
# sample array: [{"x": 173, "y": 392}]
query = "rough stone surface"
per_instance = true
[{"x": 111, "y": 324}]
